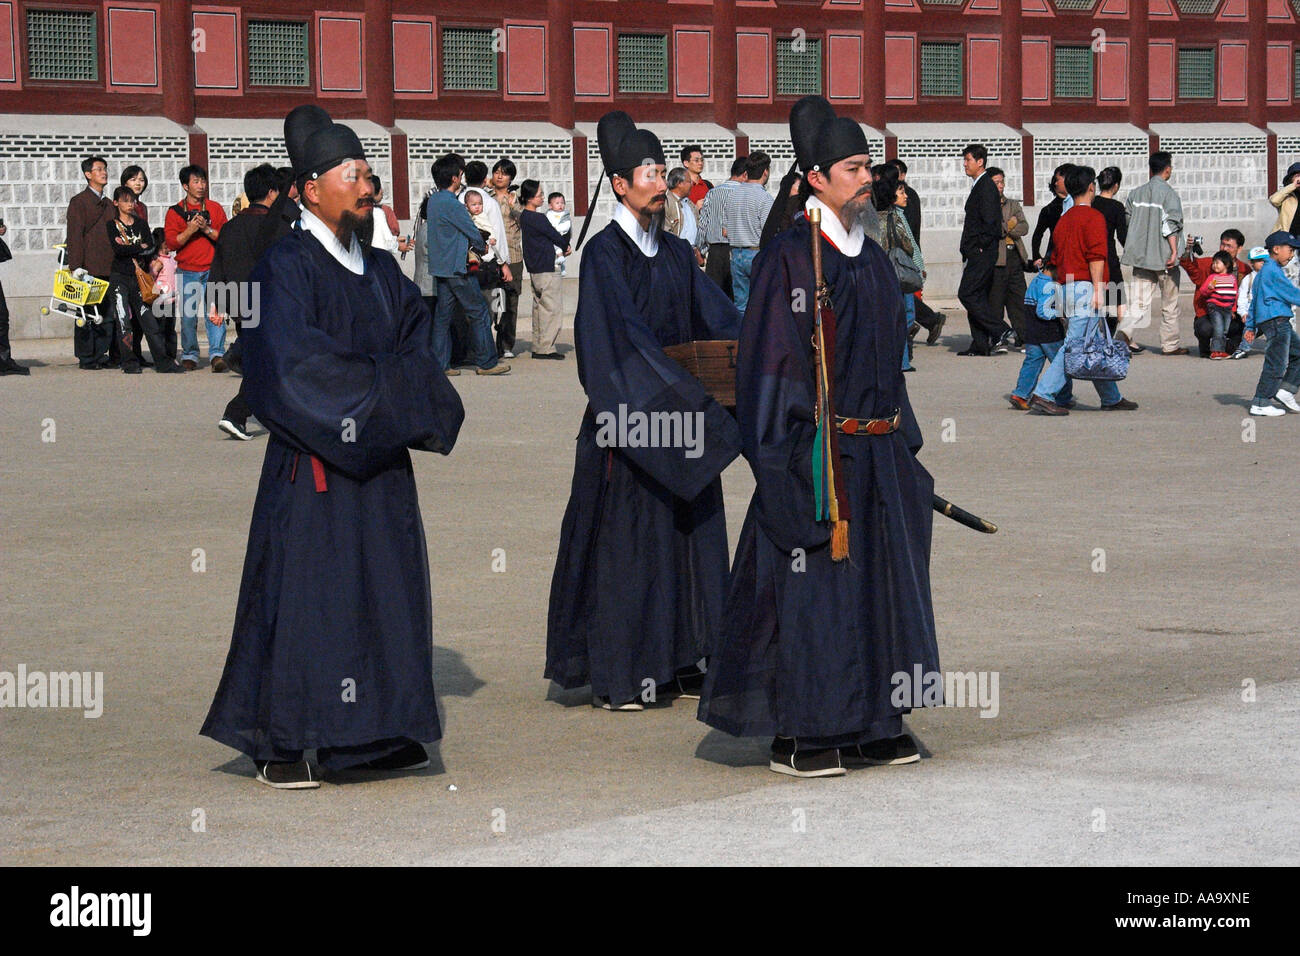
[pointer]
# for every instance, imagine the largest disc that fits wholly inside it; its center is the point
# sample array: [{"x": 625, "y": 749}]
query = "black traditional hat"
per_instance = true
[
  {"x": 821, "y": 139},
  {"x": 316, "y": 144},
  {"x": 623, "y": 147}
]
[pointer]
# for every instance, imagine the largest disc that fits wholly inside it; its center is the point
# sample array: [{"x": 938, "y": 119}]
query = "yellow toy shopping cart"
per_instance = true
[{"x": 74, "y": 292}]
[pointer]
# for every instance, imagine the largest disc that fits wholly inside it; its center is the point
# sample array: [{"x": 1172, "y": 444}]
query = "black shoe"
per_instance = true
[
  {"x": 686, "y": 686},
  {"x": 804, "y": 763},
  {"x": 10, "y": 367},
  {"x": 145, "y": 363},
  {"x": 911, "y": 333},
  {"x": 171, "y": 368},
  {"x": 548, "y": 355},
  {"x": 933, "y": 337},
  {"x": 286, "y": 774},
  {"x": 999, "y": 348},
  {"x": 974, "y": 351},
  {"x": 131, "y": 370},
  {"x": 235, "y": 429},
  {"x": 1041, "y": 406},
  {"x": 412, "y": 756},
  {"x": 882, "y": 753},
  {"x": 1123, "y": 405}
]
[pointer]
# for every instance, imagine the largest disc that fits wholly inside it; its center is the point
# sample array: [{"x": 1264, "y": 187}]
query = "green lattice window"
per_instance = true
[
  {"x": 277, "y": 53},
  {"x": 941, "y": 69},
  {"x": 1072, "y": 70},
  {"x": 61, "y": 45},
  {"x": 469, "y": 58},
  {"x": 1295, "y": 70},
  {"x": 798, "y": 66},
  {"x": 1197, "y": 6},
  {"x": 1075, "y": 6},
  {"x": 642, "y": 63},
  {"x": 1196, "y": 73}
]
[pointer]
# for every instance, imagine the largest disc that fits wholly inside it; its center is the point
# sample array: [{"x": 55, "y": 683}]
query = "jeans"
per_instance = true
[
  {"x": 742, "y": 265},
  {"x": 194, "y": 309},
  {"x": 1281, "y": 359},
  {"x": 909, "y": 309},
  {"x": 465, "y": 292},
  {"x": 1036, "y": 356},
  {"x": 1083, "y": 322},
  {"x": 1220, "y": 319}
]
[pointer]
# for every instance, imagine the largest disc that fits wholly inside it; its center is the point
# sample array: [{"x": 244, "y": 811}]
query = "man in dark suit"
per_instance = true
[
  {"x": 981, "y": 234},
  {"x": 89, "y": 248}
]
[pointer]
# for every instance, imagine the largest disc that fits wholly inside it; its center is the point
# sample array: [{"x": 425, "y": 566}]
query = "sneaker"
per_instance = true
[
  {"x": 1287, "y": 399},
  {"x": 1018, "y": 402},
  {"x": 453, "y": 372},
  {"x": 1218, "y": 356},
  {"x": 412, "y": 756},
  {"x": 804, "y": 763},
  {"x": 628, "y": 706},
  {"x": 499, "y": 369},
  {"x": 933, "y": 337},
  {"x": 999, "y": 348},
  {"x": 1238, "y": 355},
  {"x": 882, "y": 753},
  {"x": 1041, "y": 406},
  {"x": 218, "y": 364},
  {"x": 506, "y": 354},
  {"x": 1123, "y": 405},
  {"x": 1268, "y": 411},
  {"x": 235, "y": 429},
  {"x": 286, "y": 774}
]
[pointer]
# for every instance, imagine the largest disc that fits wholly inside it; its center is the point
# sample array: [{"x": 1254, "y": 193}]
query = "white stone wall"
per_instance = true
[
  {"x": 548, "y": 159},
  {"x": 934, "y": 170},
  {"x": 40, "y": 173}
]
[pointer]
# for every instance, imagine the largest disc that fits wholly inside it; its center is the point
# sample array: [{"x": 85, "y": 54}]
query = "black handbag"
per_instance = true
[
  {"x": 909, "y": 276},
  {"x": 5, "y": 254}
]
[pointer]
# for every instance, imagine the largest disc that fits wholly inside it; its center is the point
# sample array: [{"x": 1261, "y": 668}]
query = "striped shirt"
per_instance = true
[
  {"x": 743, "y": 215},
  {"x": 1220, "y": 291},
  {"x": 710, "y": 224}
]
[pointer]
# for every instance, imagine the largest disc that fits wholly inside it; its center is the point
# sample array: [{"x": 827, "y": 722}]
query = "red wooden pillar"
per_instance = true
[
  {"x": 176, "y": 25},
  {"x": 379, "y": 62},
  {"x": 873, "y": 66},
  {"x": 559, "y": 63},
  {"x": 725, "y": 112},
  {"x": 1139, "y": 78}
]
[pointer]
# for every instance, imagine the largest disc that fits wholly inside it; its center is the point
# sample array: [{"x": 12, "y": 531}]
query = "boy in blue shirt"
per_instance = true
[
  {"x": 1044, "y": 337},
  {"x": 1272, "y": 297}
]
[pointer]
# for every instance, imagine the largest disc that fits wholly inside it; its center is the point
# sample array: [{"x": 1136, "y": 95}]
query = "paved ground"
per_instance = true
[{"x": 1120, "y": 691}]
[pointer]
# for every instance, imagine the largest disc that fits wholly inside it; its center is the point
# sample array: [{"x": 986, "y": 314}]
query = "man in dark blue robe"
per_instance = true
[
  {"x": 642, "y": 566},
  {"x": 332, "y": 645},
  {"x": 810, "y": 645}
]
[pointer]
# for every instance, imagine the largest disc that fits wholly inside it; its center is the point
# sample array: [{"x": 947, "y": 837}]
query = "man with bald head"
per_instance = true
[{"x": 332, "y": 646}]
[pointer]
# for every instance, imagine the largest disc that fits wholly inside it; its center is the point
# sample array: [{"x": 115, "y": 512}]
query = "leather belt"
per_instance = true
[{"x": 868, "y": 426}]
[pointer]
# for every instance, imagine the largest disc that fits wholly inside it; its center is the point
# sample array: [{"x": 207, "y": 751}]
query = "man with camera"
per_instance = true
[
  {"x": 192, "y": 227},
  {"x": 1197, "y": 267}
]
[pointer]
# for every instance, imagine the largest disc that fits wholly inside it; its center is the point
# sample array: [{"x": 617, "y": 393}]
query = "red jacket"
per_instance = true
[
  {"x": 1198, "y": 270},
  {"x": 1078, "y": 239},
  {"x": 196, "y": 254}
]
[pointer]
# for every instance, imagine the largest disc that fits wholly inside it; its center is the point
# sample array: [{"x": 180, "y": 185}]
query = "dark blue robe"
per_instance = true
[
  {"x": 336, "y": 581},
  {"x": 811, "y": 652},
  {"x": 642, "y": 566}
]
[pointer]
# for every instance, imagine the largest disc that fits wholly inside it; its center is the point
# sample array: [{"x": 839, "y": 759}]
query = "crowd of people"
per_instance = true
[{"x": 1078, "y": 281}]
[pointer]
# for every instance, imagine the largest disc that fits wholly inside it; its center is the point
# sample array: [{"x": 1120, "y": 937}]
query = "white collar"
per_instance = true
[
  {"x": 850, "y": 242},
  {"x": 647, "y": 240},
  {"x": 351, "y": 259}
]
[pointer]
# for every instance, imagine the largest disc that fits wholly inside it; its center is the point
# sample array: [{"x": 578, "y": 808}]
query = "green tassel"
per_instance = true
[{"x": 819, "y": 473}]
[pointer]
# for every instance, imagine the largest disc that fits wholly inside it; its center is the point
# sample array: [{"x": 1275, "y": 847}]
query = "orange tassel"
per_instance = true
[{"x": 839, "y": 541}]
